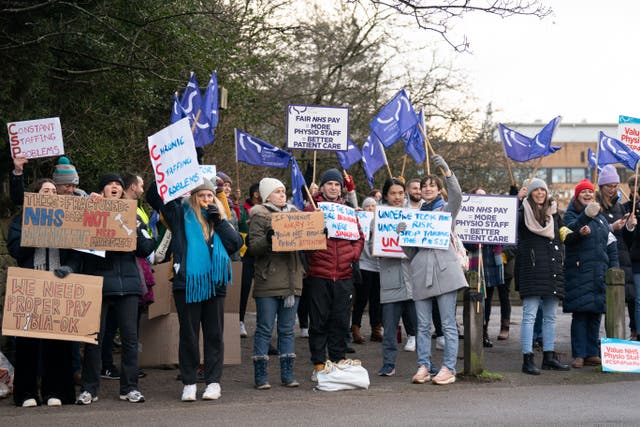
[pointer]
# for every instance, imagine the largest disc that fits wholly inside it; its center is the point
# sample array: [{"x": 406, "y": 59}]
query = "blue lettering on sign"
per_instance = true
[
  {"x": 170, "y": 146},
  {"x": 42, "y": 216},
  {"x": 177, "y": 166},
  {"x": 185, "y": 183}
]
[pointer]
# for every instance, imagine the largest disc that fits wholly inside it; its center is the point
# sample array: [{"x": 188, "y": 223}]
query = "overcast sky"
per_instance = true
[{"x": 582, "y": 62}]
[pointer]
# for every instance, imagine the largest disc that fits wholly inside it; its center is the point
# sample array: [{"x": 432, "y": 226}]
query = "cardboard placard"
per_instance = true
[
  {"x": 490, "y": 220},
  {"x": 340, "y": 220},
  {"x": 40, "y": 305},
  {"x": 174, "y": 160},
  {"x": 312, "y": 127},
  {"x": 162, "y": 291},
  {"x": 620, "y": 355},
  {"x": 51, "y": 221},
  {"x": 364, "y": 219},
  {"x": 298, "y": 231},
  {"x": 36, "y": 138}
]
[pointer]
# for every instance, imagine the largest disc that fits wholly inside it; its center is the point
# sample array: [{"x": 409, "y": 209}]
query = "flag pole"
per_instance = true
[
  {"x": 386, "y": 162},
  {"x": 480, "y": 275},
  {"x": 535, "y": 169},
  {"x": 404, "y": 163},
  {"x": 313, "y": 180},
  {"x": 595, "y": 169},
  {"x": 313, "y": 203},
  {"x": 195, "y": 121},
  {"x": 635, "y": 190},
  {"x": 433, "y": 153},
  {"x": 427, "y": 167}
]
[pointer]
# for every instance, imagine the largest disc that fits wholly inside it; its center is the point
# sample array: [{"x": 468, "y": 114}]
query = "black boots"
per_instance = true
[
  {"x": 528, "y": 365},
  {"x": 486, "y": 342},
  {"x": 550, "y": 361}
]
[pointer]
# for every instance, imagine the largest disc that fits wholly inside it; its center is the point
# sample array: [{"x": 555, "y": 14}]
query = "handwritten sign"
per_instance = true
[
  {"x": 491, "y": 220},
  {"x": 620, "y": 355},
  {"x": 312, "y": 127},
  {"x": 40, "y": 305},
  {"x": 51, "y": 221},
  {"x": 174, "y": 160},
  {"x": 36, "y": 138},
  {"x": 386, "y": 242},
  {"x": 364, "y": 219},
  {"x": 298, "y": 231},
  {"x": 208, "y": 172},
  {"x": 427, "y": 229},
  {"x": 340, "y": 220},
  {"x": 629, "y": 132}
]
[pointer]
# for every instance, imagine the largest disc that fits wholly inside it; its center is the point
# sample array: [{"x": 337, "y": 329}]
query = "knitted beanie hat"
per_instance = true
[
  {"x": 535, "y": 184},
  {"x": 368, "y": 201},
  {"x": 332, "y": 174},
  {"x": 267, "y": 186},
  {"x": 585, "y": 184},
  {"x": 224, "y": 177},
  {"x": 110, "y": 177},
  {"x": 65, "y": 173},
  {"x": 206, "y": 185},
  {"x": 608, "y": 175}
]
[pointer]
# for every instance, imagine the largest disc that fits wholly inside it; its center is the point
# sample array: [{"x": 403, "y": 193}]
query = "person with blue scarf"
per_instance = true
[{"x": 202, "y": 241}]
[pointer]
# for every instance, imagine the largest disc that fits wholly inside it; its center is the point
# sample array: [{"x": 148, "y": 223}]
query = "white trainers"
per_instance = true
[
  {"x": 54, "y": 401},
  {"x": 134, "y": 396},
  {"x": 29, "y": 403},
  {"x": 440, "y": 343},
  {"x": 243, "y": 330},
  {"x": 212, "y": 392},
  {"x": 189, "y": 393},
  {"x": 445, "y": 376},
  {"x": 422, "y": 376},
  {"x": 304, "y": 332},
  {"x": 86, "y": 398},
  {"x": 411, "y": 343}
]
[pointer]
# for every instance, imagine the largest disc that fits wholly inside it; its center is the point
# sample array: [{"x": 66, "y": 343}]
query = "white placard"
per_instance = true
[
  {"x": 310, "y": 127},
  {"x": 629, "y": 132},
  {"x": 36, "y": 138},
  {"x": 490, "y": 220},
  {"x": 364, "y": 219},
  {"x": 174, "y": 160},
  {"x": 209, "y": 172},
  {"x": 340, "y": 220},
  {"x": 620, "y": 355},
  {"x": 427, "y": 229},
  {"x": 386, "y": 242}
]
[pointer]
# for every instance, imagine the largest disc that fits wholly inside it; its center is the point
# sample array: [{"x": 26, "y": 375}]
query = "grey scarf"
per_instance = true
[{"x": 534, "y": 226}]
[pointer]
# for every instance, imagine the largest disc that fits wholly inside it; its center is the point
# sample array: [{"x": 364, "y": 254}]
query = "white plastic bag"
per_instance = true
[
  {"x": 6, "y": 376},
  {"x": 344, "y": 375}
]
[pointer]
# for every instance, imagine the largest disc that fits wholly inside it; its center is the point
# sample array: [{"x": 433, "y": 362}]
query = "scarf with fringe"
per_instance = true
[
  {"x": 534, "y": 226},
  {"x": 208, "y": 264}
]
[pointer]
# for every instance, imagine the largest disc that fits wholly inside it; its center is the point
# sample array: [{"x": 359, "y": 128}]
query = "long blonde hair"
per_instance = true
[{"x": 207, "y": 230}]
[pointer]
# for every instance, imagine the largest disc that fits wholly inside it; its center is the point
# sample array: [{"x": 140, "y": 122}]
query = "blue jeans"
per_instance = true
[
  {"x": 585, "y": 334},
  {"x": 267, "y": 309},
  {"x": 391, "y": 314},
  {"x": 447, "y": 307},
  {"x": 530, "y": 306},
  {"x": 636, "y": 288}
]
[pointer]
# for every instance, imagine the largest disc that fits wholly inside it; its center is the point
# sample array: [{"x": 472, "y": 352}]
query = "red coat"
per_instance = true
[{"x": 334, "y": 263}]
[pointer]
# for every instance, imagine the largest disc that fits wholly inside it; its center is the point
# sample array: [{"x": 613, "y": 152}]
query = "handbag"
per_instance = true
[
  {"x": 345, "y": 375},
  {"x": 461, "y": 251}
]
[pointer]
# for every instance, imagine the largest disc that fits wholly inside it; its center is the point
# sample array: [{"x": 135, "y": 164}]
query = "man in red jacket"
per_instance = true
[{"x": 330, "y": 284}]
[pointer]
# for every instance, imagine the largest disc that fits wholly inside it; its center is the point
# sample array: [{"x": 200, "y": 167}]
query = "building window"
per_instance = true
[
  {"x": 577, "y": 174},
  {"x": 559, "y": 175}
]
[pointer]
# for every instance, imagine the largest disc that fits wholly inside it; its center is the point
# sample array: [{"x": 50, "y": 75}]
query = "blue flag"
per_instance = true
[
  {"x": 256, "y": 152},
  {"x": 591, "y": 158},
  {"x": 372, "y": 157},
  {"x": 297, "y": 182},
  {"x": 395, "y": 118},
  {"x": 350, "y": 157},
  {"x": 191, "y": 99},
  {"x": 209, "y": 115},
  {"x": 414, "y": 141},
  {"x": 177, "y": 112},
  {"x": 521, "y": 148},
  {"x": 611, "y": 151}
]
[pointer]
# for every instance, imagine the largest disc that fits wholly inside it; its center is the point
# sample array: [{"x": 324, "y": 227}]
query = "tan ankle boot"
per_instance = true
[
  {"x": 504, "y": 331},
  {"x": 355, "y": 332},
  {"x": 376, "y": 333}
]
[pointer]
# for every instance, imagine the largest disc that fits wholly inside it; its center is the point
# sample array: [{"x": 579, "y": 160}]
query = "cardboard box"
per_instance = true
[{"x": 159, "y": 340}]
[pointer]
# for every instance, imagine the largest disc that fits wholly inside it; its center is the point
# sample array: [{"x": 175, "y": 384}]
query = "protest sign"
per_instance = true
[
  {"x": 40, "y": 305},
  {"x": 364, "y": 219},
  {"x": 174, "y": 160},
  {"x": 426, "y": 229},
  {"x": 36, "y": 138},
  {"x": 620, "y": 355},
  {"x": 340, "y": 220},
  {"x": 51, "y": 221},
  {"x": 208, "y": 172},
  {"x": 629, "y": 132},
  {"x": 317, "y": 128},
  {"x": 490, "y": 220},
  {"x": 386, "y": 242},
  {"x": 298, "y": 231}
]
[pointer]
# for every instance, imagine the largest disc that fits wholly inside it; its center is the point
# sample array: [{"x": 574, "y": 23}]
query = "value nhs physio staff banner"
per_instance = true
[{"x": 174, "y": 160}]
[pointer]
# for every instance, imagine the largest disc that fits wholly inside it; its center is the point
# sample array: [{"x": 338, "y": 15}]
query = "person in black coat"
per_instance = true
[
  {"x": 633, "y": 243},
  {"x": 589, "y": 253},
  {"x": 539, "y": 272}
]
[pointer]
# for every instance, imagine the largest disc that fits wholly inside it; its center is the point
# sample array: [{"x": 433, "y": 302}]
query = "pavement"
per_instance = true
[{"x": 388, "y": 401}]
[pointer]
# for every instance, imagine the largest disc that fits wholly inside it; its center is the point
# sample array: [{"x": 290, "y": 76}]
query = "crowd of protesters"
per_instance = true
[{"x": 559, "y": 261}]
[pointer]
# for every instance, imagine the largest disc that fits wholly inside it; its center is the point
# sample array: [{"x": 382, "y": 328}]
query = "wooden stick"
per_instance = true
[
  {"x": 238, "y": 181},
  {"x": 386, "y": 162},
  {"x": 635, "y": 191},
  {"x": 195, "y": 121},
  {"x": 404, "y": 163},
  {"x": 313, "y": 203},
  {"x": 427, "y": 167},
  {"x": 314, "y": 166},
  {"x": 513, "y": 181},
  {"x": 480, "y": 275},
  {"x": 535, "y": 169},
  {"x": 595, "y": 170}
]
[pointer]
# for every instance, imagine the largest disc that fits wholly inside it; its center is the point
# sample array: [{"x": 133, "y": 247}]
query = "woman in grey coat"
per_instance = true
[{"x": 437, "y": 273}]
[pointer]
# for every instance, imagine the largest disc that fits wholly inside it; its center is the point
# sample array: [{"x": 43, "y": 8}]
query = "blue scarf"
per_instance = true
[
  {"x": 207, "y": 264},
  {"x": 433, "y": 205}
]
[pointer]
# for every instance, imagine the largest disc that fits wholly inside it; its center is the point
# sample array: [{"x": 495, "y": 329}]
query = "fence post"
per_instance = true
[
  {"x": 614, "y": 319},
  {"x": 473, "y": 319}
]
